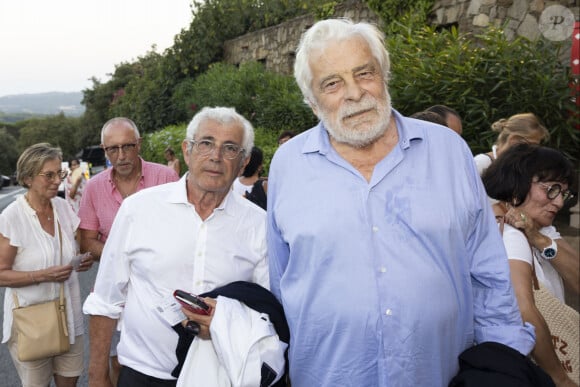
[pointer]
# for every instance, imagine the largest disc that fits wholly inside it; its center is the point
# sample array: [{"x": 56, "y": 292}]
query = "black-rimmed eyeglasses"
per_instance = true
[
  {"x": 51, "y": 176},
  {"x": 113, "y": 150},
  {"x": 553, "y": 190},
  {"x": 205, "y": 147}
]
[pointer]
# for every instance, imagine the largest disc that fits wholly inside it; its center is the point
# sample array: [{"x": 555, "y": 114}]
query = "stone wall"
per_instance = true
[
  {"x": 519, "y": 17},
  {"x": 275, "y": 46}
]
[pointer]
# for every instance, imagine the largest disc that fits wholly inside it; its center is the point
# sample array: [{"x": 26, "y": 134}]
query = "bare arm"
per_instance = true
[
  {"x": 73, "y": 190},
  {"x": 101, "y": 330},
  {"x": 90, "y": 242},
  {"x": 15, "y": 279},
  {"x": 543, "y": 352},
  {"x": 566, "y": 262}
]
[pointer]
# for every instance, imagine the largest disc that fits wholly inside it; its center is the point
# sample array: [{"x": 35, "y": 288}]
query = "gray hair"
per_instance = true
[
  {"x": 325, "y": 31},
  {"x": 117, "y": 120},
  {"x": 33, "y": 158},
  {"x": 223, "y": 115}
]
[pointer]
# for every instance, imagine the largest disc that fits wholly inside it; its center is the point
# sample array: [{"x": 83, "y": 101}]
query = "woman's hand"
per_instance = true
[
  {"x": 86, "y": 262},
  {"x": 58, "y": 273},
  {"x": 519, "y": 219},
  {"x": 204, "y": 321}
]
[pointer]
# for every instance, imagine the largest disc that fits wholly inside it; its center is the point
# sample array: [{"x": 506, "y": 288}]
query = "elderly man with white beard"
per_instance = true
[{"x": 383, "y": 248}]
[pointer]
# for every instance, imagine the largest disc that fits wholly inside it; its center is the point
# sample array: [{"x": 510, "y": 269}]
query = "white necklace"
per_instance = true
[{"x": 35, "y": 210}]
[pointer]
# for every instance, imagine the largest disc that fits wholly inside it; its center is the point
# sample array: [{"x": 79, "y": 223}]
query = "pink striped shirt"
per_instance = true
[{"x": 101, "y": 199}]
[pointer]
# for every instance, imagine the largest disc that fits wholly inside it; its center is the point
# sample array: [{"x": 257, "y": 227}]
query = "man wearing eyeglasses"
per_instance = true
[
  {"x": 194, "y": 235},
  {"x": 105, "y": 192}
]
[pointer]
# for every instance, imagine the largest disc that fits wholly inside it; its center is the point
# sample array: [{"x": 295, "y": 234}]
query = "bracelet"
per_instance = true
[{"x": 34, "y": 281}]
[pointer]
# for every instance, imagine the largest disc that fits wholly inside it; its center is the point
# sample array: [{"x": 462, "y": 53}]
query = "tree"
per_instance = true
[
  {"x": 8, "y": 152},
  {"x": 58, "y": 130}
]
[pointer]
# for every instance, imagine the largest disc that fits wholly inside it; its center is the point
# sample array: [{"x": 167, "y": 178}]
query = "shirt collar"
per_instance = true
[
  {"x": 179, "y": 195},
  {"x": 318, "y": 139}
]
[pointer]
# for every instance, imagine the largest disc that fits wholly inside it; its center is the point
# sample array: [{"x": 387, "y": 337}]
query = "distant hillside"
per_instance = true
[{"x": 42, "y": 104}]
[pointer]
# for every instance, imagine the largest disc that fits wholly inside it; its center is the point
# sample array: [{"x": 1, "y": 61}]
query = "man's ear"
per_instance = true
[
  {"x": 184, "y": 145},
  {"x": 243, "y": 166},
  {"x": 314, "y": 107}
]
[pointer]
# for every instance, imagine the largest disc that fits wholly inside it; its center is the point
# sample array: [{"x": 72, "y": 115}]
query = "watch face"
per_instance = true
[{"x": 549, "y": 253}]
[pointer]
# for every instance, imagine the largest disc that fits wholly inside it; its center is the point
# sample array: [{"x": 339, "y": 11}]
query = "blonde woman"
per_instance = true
[
  {"x": 34, "y": 231},
  {"x": 520, "y": 128}
]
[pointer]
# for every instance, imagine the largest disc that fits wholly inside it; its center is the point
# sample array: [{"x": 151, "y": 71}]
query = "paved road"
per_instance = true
[
  {"x": 8, "y": 375},
  {"x": 8, "y": 194}
]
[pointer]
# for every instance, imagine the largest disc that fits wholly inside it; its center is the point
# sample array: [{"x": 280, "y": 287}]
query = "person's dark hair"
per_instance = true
[
  {"x": 76, "y": 160},
  {"x": 510, "y": 176},
  {"x": 256, "y": 160},
  {"x": 430, "y": 117},
  {"x": 443, "y": 111},
  {"x": 170, "y": 151},
  {"x": 285, "y": 134}
]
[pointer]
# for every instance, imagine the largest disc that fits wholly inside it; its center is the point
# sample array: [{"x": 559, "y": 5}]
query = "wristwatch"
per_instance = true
[{"x": 550, "y": 251}]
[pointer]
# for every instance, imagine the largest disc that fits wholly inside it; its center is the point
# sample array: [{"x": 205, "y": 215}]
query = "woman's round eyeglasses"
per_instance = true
[
  {"x": 553, "y": 190},
  {"x": 51, "y": 176}
]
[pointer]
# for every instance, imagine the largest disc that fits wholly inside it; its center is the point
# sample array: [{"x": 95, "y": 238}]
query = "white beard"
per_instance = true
[{"x": 357, "y": 135}]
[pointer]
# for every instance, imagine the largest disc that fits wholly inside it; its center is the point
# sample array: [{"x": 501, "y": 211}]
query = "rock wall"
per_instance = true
[
  {"x": 275, "y": 46},
  {"x": 519, "y": 17}
]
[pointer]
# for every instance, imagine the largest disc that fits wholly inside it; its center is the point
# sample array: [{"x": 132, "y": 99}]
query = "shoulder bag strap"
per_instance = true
[{"x": 61, "y": 304}]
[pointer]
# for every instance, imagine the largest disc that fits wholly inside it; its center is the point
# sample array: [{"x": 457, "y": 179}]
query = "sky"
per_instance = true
[{"x": 59, "y": 45}]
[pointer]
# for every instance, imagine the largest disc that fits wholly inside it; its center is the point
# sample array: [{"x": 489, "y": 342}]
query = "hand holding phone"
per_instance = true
[
  {"x": 78, "y": 259},
  {"x": 192, "y": 302}
]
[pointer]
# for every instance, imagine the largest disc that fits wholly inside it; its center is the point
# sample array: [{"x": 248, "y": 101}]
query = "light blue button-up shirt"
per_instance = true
[{"x": 386, "y": 283}]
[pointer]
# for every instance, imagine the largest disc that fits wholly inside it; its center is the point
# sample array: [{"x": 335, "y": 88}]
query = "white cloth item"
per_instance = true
[
  {"x": 38, "y": 250},
  {"x": 240, "y": 188},
  {"x": 158, "y": 243},
  {"x": 242, "y": 339},
  {"x": 518, "y": 248},
  {"x": 482, "y": 162}
]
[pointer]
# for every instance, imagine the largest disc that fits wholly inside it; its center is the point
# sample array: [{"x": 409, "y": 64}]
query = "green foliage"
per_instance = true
[
  {"x": 146, "y": 98},
  {"x": 8, "y": 152},
  {"x": 484, "y": 79},
  {"x": 267, "y": 141},
  {"x": 154, "y": 144},
  {"x": 150, "y": 90},
  {"x": 399, "y": 15},
  {"x": 267, "y": 99},
  {"x": 59, "y": 130}
]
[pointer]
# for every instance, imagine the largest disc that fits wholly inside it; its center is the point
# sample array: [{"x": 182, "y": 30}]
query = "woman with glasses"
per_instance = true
[
  {"x": 532, "y": 184},
  {"x": 37, "y": 244}
]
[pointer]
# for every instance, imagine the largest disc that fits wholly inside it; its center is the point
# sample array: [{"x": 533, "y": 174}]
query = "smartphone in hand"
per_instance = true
[
  {"x": 192, "y": 302},
  {"x": 77, "y": 260}
]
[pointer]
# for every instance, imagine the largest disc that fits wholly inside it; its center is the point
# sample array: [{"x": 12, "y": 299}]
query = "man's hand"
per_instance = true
[{"x": 204, "y": 321}]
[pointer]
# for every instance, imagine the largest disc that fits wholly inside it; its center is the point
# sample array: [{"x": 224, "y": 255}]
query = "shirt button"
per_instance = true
[
  {"x": 383, "y": 269},
  {"x": 388, "y": 312},
  {"x": 375, "y": 229}
]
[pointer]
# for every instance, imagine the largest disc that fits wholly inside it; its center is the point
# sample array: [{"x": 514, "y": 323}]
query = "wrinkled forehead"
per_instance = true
[{"x": 224, "y": 131}]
